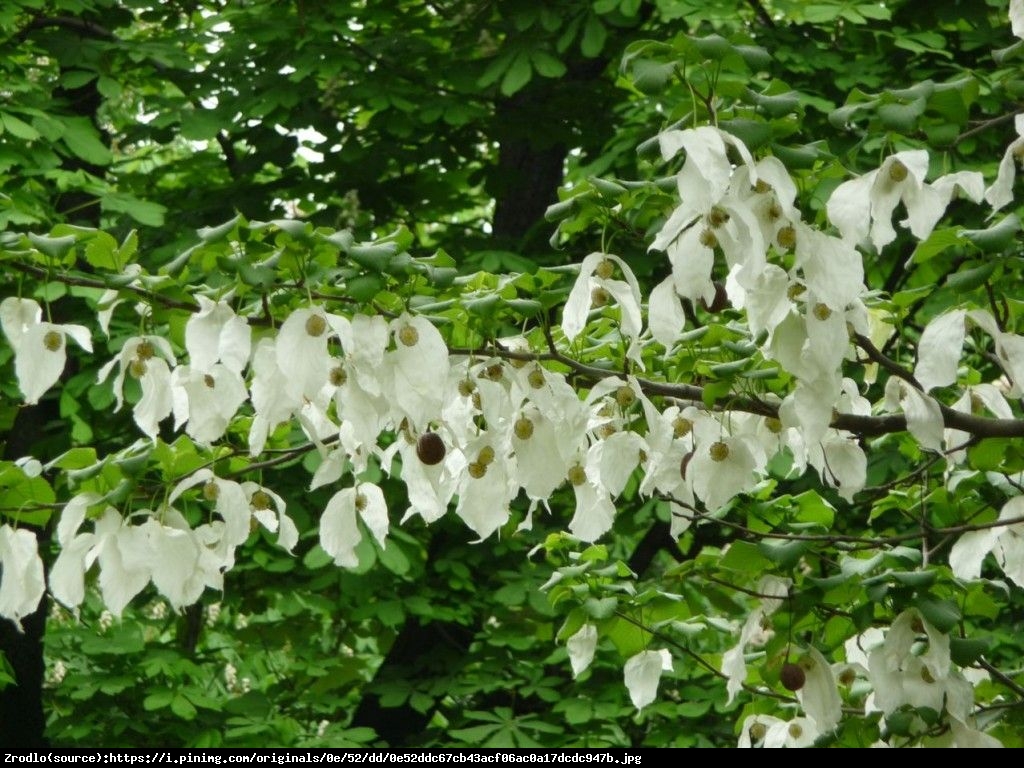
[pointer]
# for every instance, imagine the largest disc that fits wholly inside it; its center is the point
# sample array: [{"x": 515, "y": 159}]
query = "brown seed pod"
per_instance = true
[
  {"x": 430, "y": 448},
  {"x": 792, "y": 676}
]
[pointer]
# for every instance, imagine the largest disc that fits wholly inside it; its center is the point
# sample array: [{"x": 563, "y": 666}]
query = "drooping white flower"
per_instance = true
[
  {"x": 967, "y": 736},
  {"x": 1006, "y": 542},
  {"x": 39, "y": 347},
  {"x": 216, "y": 334},
  {"x": 924, "y": 417},
  {"x": 339, "y": 529},
  {"x": 766, "y": 299},
  {"x": 665, "y": 315},
  {"x": 642, "y": 673},
  {"x": 755, "y": 729},
  {"x": 270, "y": 511},
  {"x": 416, "y": 371},
  {"x": 231, "y": 504},
  {"x": 487, "y": 486},
  {"x": 939, "y": 350},
  {"x": 184, "y": 561},
  {"x": 797, "y": 733},
  {"x": 541, "y": 467},
  {"x": 121, "y": 549},
  {"x": 302, "y": 355},
  {"x": 1000, "y": 193},
  {"x": 864, "y": 206},
  {"x": 841, "y": 463},
  {"x": 595, "y": 285},
  {"x": 734, "y": 665},
  {"x": 722, "y": 469},
  {"x": 901, "y": 676},
  {"x": 206, "y": 400},
  {"x": 595, "y": 511},
  {"x": 819, "y": 695},
  {"x": 974, "y": 399},
  {"x": 833, "y": 269},
  {"x": 430, "y": 486},
  {"x": 581, "y": 647},
  {"x": 144, "y": 358},
  {"x": 273, "y": 400},
  {"x": 705, "y": 177},
  {"x": 21, "y": 573},
  {"x": 1009, "y": 348}
]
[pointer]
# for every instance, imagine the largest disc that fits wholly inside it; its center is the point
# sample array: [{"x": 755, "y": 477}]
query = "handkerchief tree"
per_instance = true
[{"x": 798, "y": 363}]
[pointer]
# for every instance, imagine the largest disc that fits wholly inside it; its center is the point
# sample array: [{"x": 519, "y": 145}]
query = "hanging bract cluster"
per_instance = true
[{"x": 743, "y": 399}]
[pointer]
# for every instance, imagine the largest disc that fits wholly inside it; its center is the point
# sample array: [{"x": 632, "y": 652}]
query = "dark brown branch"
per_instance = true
[
  {"x": 863, "y": 426},
  {"x": 985, "y": 125},
  {"x": 88, "y": 28},
  {"x": 838, "y": 538},
  {"x": 88, "y": 282},
  {"x": 887, "y": 363}
]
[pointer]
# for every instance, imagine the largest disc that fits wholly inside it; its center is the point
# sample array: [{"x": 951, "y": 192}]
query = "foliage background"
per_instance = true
[{"x": 460, "y": 123}]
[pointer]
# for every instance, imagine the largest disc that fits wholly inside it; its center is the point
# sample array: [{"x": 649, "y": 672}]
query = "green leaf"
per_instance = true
[
  {"x": 100, "y": 250},
  {"x": 183, "y": 708},
  {"x": 995, "y": 238},
  {"x": 517, "y": 75},
  {"x": 785, "y": 554},
  {"x": 18, "y": 127},
  {"x": 55, "y": 247},
  {"x": 81, "y": 137},
  {"x": 546, "y": 64},
  {"x": 941, "y": 614},
  {"x": 902, "y": 117},
  {"x": 151, "y": 214},
  {"x": 745, "y": 557},
  {"x": 965, "y": 650},
  {"x": 602, "y": 608},
  {"x": 158, "y": 700},
  {"x": 937, "y": 242},
  {"x": 594, "y": 36},
  {"x": 495, "y": 70},
  {"x": 200, "y": 125}
]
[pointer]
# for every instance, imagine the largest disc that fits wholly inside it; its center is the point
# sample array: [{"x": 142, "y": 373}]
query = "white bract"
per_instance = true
[
  {"x": 1000, "y": 194},
  {"x": 581, "y": 647},
  {"x": 754, "y": 631},
  {"x": 146, "y": 359},
  {"x": 21, "y": 579},
  {"x": 39, "y": 347},
  {"x": 863, "y": 207},
  {"x": 339, "y": 529},
  {"x": 597, "y": 286},
  {"x": 642, "y": 674},
  {"x": 1005, "y": 541}
]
